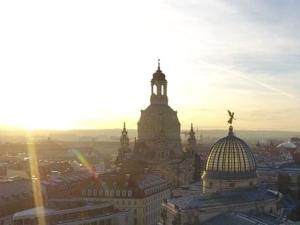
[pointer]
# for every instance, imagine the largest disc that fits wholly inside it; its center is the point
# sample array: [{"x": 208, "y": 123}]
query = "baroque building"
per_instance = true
[
  {"x": 140, "y": 193},
  {"x": 158, "y": 145},
  {"x": 229, "y": 186},
  {"x": 124, "y": 151}
]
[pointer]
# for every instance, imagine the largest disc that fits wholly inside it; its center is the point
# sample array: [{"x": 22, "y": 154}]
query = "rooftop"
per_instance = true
[
  {"x": 223, "y": 198},
  {"x": 238, "y": 218}
]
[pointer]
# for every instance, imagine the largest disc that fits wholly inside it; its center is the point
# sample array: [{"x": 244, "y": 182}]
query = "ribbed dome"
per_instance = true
[
  {"x": 159, "y": 75},
  {"x": 230, "y": 158}
]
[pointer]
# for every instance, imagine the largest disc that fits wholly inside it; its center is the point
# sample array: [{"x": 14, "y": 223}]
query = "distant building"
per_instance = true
[
  {"x": 229, "y": 184},
  {"x": 142, "y": 193},
  {"x": 66, "y": 185},
  {"x": 289, "y": 179},
  {"x": 102, "y": 213},
  {"x": 124, "y": 152},
  {"x": 3, "y": 170},
  {"x": 15, "y": 195}
]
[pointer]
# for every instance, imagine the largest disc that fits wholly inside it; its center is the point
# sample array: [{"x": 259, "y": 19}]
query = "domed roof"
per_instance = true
[
  {"x": 287, "y": 145},
  {"x": 159, "y": 75},
  {"x": 230, "y": 158},
  {"x": 157, "y": 121}
]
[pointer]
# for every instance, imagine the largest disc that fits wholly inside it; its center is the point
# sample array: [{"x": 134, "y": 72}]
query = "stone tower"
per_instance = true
[
  {"x": 124, "y": 151},
  {"x": 158, "y": 127},
  {"x": 192, "y": 142},
  {"x": 159, "y": 88}
]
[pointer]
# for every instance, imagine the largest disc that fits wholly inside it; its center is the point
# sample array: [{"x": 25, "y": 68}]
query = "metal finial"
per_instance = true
[
  {"x": 192, "y": 128},
  {"x": 124, "y": 125},
  {"x": 158, "y": 64}
]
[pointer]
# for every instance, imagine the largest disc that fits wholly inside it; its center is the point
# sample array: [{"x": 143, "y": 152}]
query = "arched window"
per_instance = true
[{"x": 155, "y": 89}]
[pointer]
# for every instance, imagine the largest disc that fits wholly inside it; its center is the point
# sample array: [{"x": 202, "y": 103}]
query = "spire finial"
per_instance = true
[
  {"x": 124, "y": 131},
  {"x": 192, "y": 127},
  {"x": 158, "y": 67}
]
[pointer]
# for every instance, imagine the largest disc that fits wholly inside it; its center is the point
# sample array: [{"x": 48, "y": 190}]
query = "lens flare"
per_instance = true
[
  {"x": 84, "y": 162},
  {"x": 36, "y": 181}
]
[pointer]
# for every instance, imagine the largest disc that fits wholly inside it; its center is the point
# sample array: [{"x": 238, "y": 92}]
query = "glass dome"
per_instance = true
[{"x": 230, "y": 158}]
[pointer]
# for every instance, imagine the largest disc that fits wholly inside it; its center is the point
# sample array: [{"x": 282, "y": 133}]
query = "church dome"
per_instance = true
[
  {"x": 158, "y": 120},
  {"x": 230, "y": 158},
  {"x": 159, "y": 75}
]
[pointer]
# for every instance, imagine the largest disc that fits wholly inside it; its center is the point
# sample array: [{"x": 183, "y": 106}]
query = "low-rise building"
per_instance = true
[
  {"x": 15, "y": 195},
  {"x": 102, "y": 213},
  {"x": 143, "y": 193}
]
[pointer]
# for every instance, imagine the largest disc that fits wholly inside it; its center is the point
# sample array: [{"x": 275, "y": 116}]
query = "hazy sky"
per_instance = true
[{"x": 88, "y": 64}]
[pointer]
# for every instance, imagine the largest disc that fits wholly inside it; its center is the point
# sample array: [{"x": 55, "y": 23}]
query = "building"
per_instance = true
[
  {"x": 229, "y": 184},
  {"x": 158, "y": 143},
  {"x": 230, "y": 165},
  {"x": 15, "y": 195},
  {"x": 80, "y": 213},
  {"x": 247, "y": 218},
  {"x": 124, "y": 152},
  {"x": 66, "y": 185},
  {"x": 142, "y": 193},
  {"x": 3, "y": 169}
]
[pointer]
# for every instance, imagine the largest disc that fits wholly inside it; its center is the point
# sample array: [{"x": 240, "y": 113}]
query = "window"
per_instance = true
[
  {"x": 129, "y": 193},
  {"x": 118, "y": 193},
  {"x": 231, "y": 185},
  {"x": 155, "y": 89},
  {"x": 210, "y": 184}
]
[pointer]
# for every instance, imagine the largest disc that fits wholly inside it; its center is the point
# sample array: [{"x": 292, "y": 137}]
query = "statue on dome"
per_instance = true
[{"x": 231, "y": 114}]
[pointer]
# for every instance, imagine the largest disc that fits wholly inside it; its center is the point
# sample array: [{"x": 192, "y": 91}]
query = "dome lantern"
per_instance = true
[{"x": 159, "y": 87}]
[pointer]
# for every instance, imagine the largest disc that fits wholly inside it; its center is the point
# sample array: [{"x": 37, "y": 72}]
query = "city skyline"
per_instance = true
[{"x": 89, "y": 66}]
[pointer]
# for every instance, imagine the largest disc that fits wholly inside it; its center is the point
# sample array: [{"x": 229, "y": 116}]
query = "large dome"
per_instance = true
[
  {"x": 230, "y": 158},
  {"x": 158, "y": 120}
]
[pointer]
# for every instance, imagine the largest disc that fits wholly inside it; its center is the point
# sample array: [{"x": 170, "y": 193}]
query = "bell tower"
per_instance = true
[
  {"x": 159, "y": 87},
  {"x": 124, "y": 150}
]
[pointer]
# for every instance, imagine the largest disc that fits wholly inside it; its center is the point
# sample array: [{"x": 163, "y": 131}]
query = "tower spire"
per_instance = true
[
  {"x": 158, "y": 64},
  {"x": 124, "y": 144},
  {"x": 192, "y": 140}
]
